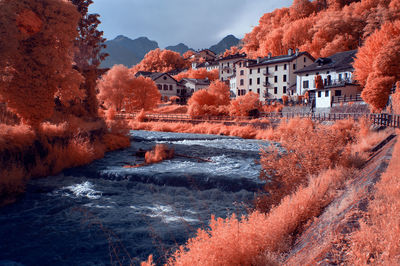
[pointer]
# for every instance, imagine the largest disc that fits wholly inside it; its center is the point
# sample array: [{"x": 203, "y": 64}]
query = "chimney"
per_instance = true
[
  {"x": 269, "y": 55},
  {"x": 297, "y": 51},
  {"x": 258, "y": 60},
  {"x": 290, "y": 51}
]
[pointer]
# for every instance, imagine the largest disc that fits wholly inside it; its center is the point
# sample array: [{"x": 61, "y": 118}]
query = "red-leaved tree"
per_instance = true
[
  {"x": 119, "y": 89},
  {"x": 244, "y": 105},
  {"x": 161, "y": 61},
  {"x": 201, "y": 73},
  {"x": 211, "y": 101},
  {"x": 36, "y": 52},
  {"x": 377, "y": 65}
]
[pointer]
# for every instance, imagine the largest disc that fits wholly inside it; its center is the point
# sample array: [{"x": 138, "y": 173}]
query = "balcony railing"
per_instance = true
[
  {"x": 266, "y": 73},
  {"x": 266, "y": 83},
  {"x": 345, "y": 99},
  {"x": 337, "y": 82}
]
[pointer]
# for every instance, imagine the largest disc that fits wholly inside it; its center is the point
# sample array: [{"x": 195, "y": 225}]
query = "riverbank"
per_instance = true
[{"x": 26, "y": 154}]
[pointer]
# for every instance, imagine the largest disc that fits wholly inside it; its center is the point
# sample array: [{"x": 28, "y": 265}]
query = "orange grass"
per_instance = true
[
  {"x": 377, "y": 240},
  {"x": 234, "y": 241}
]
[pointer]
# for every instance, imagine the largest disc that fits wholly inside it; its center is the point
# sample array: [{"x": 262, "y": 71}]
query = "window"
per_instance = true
[
  {"x": 338, "y": 93},
  {"x": 276, "y": 68},
  {"x": 258, "y": 81},
  {"x": 284, "y": 67},
  {"x": 165, "y": 78},
  {"x": 275, "y": 79},
  {"x": 276, "y": 90},
  {"x": 340, "y": 77},
  {"x": 227, "y": 71},
  {"x": 165, "y": 87},
  {"x": 228, "y": 64},
  {"x": 178, "y": 91},
  {"x": 258, "y": 70},
  {"x": 345, "y": 75},
  {"x": 305, "y": 84},
  {"x": 250, "y": 81},
  {"x": 319, "y": 94},
  {"x": 284, "y": 89},
  {"x": 240, "y": 64},
  {"x": 222, "y": 79},
  {"x": 222, "y": 72},
  {"x": 327, "y": 72},
  {"x": 284, "y": 78},
  {"x": 251, "y": 71},
  {"x": 258, "y": 91},
  {"x": 170, "y": 87},
  {"x": 326, "y": 93},
  {"x": 305, "y": 59},
  {"x": 294, "y": 66},
  {"x": 241, "y": 72},
  {"x": 241, "y": 82},
  {"x": 249, "y": 89},
  {"x": 159, "y": 86}
]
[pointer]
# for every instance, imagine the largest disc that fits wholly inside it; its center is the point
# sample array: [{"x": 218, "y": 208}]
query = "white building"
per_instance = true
[
  {"x": 272, "y": 76},
  {"x": 226, "y": 65},
  {"x": 336, "y": 73}
]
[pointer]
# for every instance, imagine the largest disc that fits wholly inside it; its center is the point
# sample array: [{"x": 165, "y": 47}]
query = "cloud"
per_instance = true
[{"x": 198, "y": 24}]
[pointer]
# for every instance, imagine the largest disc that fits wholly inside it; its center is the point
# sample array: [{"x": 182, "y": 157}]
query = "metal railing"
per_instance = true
[
  {"x": 345, "y": 99},
  {"x": 388, "y": 120}
]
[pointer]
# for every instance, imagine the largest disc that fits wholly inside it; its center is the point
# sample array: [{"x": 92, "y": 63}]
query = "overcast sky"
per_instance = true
[{"x": 196, "y": 23}]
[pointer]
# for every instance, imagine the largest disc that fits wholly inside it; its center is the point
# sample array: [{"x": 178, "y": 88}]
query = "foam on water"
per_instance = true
[{"x": 55, "y": 222}]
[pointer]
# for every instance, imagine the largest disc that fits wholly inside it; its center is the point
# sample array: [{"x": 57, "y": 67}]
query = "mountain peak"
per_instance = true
[{"x": 226, "y": 43}]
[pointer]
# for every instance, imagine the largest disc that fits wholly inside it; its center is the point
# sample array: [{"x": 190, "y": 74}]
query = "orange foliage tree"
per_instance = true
[
  {"x": 245, "y": 105},
  {"x": 232, "y": 51},
  {"x": 321, "y": 27},
  {"x": 201, "y": 73},
  {"x": 211, "y": 101},
  {"x": 319, "y": 84},
  {"x": 36, "y": 52},
  {"x": 120, "y": 89},
  {"x": 161, "y": 61},
  {"x": 377, "y": 66}
]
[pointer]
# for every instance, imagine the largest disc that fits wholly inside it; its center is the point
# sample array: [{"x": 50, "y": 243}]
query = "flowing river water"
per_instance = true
[{"x": 103, "y": 213}]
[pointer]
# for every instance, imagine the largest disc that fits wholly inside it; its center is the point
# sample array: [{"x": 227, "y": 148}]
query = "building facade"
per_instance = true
[
  {"x": 336, "y": 74},
  {"x": 227, "y": 65}
]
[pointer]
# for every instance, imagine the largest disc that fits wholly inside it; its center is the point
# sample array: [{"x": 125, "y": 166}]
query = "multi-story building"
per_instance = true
[
  {"x": 336, "y": 73},
  {"x": 227, "y": 65},
  {"x": 193, "y": 85},
  {"x": 274, "y": 76}
]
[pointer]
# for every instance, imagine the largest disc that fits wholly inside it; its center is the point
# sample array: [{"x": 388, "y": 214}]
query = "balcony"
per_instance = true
[
  {"x": 266, "y": 73},
  {"x": 266, "y": 84},
  {"x": 337, "y": 82}
]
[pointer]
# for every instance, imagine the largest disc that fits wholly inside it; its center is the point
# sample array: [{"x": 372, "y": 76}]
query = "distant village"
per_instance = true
[{"x": 295, "y": 77}]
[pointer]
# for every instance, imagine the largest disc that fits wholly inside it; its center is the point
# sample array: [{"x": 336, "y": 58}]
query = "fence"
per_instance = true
[{"x": 387, "y": 120}]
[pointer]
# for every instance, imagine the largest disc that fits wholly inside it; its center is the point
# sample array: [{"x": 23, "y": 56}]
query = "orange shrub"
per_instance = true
[
  {"x": 309, "y": 148},
  {"x": 159, "y": 153},
  {"x": 244, "y": 105},
  {"x": 244, "y": 241},
  {"x": 211, "y": 101}
]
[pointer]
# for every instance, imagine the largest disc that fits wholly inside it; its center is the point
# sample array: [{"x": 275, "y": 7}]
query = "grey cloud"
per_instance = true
[{"x": 198, "y": 24}]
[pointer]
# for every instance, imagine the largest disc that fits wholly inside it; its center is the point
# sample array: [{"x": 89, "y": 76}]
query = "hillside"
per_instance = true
[
  {"x": 225, "y": 44},
  {"x": 180, "y": 48},
  {"x": 123, "y": 50}
]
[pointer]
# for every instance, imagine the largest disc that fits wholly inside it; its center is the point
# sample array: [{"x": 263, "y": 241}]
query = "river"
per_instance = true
[{"x": 103, "y": 213}]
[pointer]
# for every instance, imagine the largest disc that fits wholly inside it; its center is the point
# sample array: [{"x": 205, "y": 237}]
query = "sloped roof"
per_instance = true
[
  {"x": 153, "y": 75},
  {"x": 281, "y": 59},
  {"x": 338, "y": 61},
  {"x": 205, "y": 81},
  {"x": 234, "y": 56}
]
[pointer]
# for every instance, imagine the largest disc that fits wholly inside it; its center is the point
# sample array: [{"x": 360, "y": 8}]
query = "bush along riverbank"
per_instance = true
[{"x": 27, "y": 153}]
